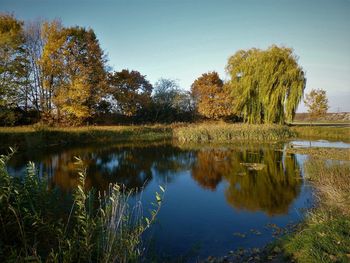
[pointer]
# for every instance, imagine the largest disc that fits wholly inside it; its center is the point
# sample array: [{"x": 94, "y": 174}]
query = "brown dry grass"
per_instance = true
[
  {"x": 323, "y": 153},
  {"x": 332, "y": 181}
]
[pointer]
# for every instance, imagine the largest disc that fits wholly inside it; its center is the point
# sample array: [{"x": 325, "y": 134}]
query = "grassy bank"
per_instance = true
[
  {"x": 42, "y": 136},
  {"x": 38, "y": 224},
  {"x": 322, "y": 132},
  {"x": 323, "y": 153},
  {"x": 37, "y": 136},
  {"x": 223, "y": 132},
  {"x": 325, "y": 234}
]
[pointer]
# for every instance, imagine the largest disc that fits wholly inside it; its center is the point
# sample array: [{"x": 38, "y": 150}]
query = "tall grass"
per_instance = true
[
  {"x": 43, "y": 225},
  {"x": 325, "y": 234},
  {"x": 325, "y": 133},
  {"x": 221, "y": 132},
  {"x": 332, "y": 181}
]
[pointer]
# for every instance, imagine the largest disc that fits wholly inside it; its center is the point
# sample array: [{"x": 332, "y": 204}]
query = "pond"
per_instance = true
[{"x": 218, "y": 197}]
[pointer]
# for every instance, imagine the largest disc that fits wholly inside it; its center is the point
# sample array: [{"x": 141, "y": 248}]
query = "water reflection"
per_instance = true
[
  {"x": 210, "y": 167},
  {"x": 271, "y": 188},
  {"x": 131, "y": 165}
]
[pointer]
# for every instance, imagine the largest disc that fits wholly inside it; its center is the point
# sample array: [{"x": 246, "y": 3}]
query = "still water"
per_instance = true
[{"x": 216, "y": 199}]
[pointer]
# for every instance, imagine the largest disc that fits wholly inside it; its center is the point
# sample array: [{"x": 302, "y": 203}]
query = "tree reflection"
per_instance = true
[
  {"x": 211, "y": 165},
  {"x": 133, "y": 166},
  {"x": 271, "y": 189}
]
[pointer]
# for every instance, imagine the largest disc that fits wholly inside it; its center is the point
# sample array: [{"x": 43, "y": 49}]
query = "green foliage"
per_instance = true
[
  {"x": 317, "y": 103},
  {"x": 42, "y": 225},
  {"x": 266, "y": 85},
  {"x": 230, "y": 132},
  {"x": 324, "y": 240}
]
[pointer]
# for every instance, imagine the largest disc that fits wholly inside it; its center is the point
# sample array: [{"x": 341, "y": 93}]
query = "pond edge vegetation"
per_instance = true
[
  {"x": 324, "y": 235},
  {"x": 95, "y": 227},
  {"x": 43, "y": 136}
]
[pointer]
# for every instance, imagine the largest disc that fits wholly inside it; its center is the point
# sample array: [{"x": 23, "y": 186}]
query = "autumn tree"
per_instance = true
[
  {"x": 131, "y": 91},
  {"x": 73, "y": 71},
  {"x": 317, "y": 103},
  {"x": 51, "y": 62},
  {"x": 13, "y": 69},
  {"x": 267, "y": 84},
  {"x": 13, "y": 62},
  {"x": 210, "y": 96}
]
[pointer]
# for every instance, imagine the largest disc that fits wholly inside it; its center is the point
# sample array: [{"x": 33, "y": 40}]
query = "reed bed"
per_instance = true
[
  {"x": 332, "y": 181},
  {"x": 223, "y": 132}
]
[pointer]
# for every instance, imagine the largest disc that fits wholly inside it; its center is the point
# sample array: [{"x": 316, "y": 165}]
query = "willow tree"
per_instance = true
[{"x": 267, "y": 85}]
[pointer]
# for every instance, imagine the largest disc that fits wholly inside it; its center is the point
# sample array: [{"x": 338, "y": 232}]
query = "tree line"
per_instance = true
[{"x": 59, "y": 75}]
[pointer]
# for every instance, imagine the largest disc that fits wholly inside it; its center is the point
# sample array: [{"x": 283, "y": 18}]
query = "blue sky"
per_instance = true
[{"x": 183, "y": 39}]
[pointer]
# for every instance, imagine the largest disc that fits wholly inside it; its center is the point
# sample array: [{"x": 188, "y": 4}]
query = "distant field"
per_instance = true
[
  {"x": 329, "y": 118},
  {"x": 324, "y": 124}
]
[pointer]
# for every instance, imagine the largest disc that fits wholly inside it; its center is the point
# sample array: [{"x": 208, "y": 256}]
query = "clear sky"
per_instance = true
[{"x": 182, "y": 39}]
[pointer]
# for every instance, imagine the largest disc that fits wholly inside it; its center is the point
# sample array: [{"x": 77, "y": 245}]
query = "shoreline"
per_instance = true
[{"x": 217, "y": 132}]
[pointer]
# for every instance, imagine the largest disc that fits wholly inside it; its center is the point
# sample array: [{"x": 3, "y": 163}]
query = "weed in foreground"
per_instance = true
[{"x": 43, "y": 225}]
